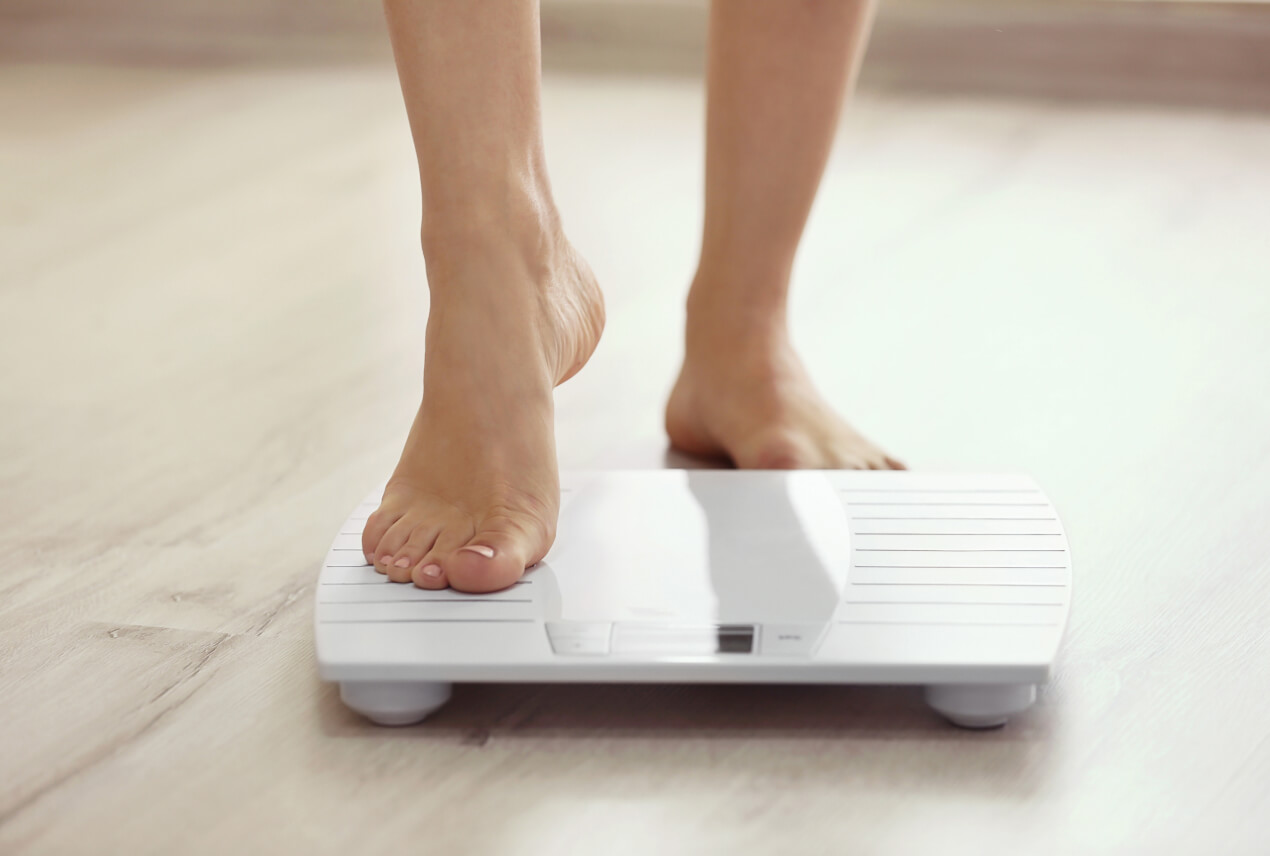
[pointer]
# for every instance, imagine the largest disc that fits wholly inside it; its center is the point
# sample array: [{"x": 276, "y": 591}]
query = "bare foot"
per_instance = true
[
  {"x": 743, "y": 394},
  {"x": 475, "y": 497}
]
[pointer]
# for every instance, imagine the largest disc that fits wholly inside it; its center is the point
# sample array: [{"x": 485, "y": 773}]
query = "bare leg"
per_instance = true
[
  {"x": 514, "y": 311},
  {"x": 778, "y": 75}
]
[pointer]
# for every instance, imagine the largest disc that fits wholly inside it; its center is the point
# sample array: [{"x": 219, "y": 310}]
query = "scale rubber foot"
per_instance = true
[
  {"x": 389, "y": 703},
  {"x": 980, "y": 705}
]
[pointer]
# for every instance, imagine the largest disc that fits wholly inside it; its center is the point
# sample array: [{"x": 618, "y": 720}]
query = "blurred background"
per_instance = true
[{"x": 1040, "y": 246}]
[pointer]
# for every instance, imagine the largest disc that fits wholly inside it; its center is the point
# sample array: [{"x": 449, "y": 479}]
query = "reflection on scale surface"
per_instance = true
[{"x": 684, "y": 564}]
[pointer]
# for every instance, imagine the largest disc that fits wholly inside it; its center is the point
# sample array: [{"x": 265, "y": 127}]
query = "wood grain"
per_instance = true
[{"x": 213, "y": 303}]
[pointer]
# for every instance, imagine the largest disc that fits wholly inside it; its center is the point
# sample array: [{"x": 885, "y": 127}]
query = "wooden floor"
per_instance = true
[{"x": 213, "y": 303}]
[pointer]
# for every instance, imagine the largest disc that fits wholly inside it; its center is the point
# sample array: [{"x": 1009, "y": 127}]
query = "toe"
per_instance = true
[
  {"x": 878, "y": 460},
  {"x": 379, "y": 522},
  {"x": 410, "y": 555},
  {"x": 390, "y": 545},
  {"x": 493, "y": 559},
  {"x": 474, "y": 571},
  {"x": 858, "y": 454},
  {"x": 429, "y": 572},
  {"x": 428, "y": 575},
  {"x": 398, "y": 569}
]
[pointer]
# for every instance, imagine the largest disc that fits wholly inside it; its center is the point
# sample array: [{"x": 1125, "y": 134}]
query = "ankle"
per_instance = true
[
  {"x": 487, "y": 241},
  {"x": 512, "y": 214},
  {"x": 732, "y": 317}
]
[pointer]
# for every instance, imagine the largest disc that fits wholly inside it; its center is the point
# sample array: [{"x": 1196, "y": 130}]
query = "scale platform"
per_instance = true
[{"x": 957, "y": 583}]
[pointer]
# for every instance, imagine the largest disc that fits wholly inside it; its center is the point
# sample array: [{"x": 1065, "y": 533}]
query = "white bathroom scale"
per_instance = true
[{"x": 957, "y": 583}]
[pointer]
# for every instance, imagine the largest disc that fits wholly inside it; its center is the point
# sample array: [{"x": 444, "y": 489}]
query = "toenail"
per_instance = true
[
  {"x": 487, "y": 552},
  {"x": 403, "y": 562},
  {"x": 432, "y": 570}
]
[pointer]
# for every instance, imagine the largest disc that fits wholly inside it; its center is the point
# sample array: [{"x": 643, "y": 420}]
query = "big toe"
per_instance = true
[{"x": 495, "y": 557}]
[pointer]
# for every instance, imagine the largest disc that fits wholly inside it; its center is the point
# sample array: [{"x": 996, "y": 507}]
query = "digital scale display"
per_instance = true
[
  {"x": 687, "y": 640},
  {"x": 651, "y": 639}
]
